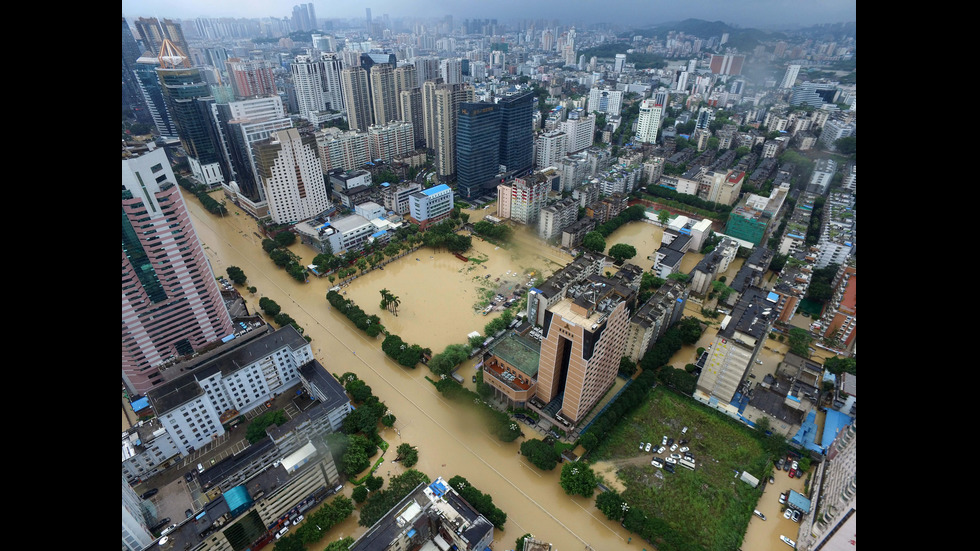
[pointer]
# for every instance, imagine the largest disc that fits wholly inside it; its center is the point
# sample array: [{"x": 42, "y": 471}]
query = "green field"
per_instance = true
[{"x": 708, "y": 508}]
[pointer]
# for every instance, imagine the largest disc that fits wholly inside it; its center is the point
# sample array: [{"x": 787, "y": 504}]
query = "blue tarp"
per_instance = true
[
  {"x": 228, "y": 338},
  {"x": 437, "y": 488},
  {"x": 143, "y": 402}
]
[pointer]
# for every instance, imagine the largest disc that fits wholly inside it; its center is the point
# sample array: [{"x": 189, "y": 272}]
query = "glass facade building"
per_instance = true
[{"x": 477, "y": 147}]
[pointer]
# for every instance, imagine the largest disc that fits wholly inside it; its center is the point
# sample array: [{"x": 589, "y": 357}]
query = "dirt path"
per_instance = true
[{"x": 608, "y": 469}]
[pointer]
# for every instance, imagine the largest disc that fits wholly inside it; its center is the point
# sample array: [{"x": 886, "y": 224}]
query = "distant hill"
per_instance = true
[{"x": 742, "y": 39}]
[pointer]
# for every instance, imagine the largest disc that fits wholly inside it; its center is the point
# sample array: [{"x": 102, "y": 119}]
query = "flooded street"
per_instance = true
[
  {"x": 763, "y": 535},
  {"x": 437, "y": 295}
]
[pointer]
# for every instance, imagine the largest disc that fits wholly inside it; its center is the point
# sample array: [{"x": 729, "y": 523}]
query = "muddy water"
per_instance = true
[
  {"x": 763, "y": 535},
  {"x": 448, "y": 442}
]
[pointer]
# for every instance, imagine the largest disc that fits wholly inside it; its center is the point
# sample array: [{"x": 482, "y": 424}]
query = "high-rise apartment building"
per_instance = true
[
  {"x": 304, "y": 17},
  {"x": 789, "y": 79},
  {"x": 148, "y": 81},
  {"x": 527, "y": 198},
  {"x": 289, "y": 169},
  {"x": 550, "y": 148},
  {"x": 477, "y": 148},
  {"x": 387, "y": 141},
  {"x": 584, "y": 339},
  {"x": 251, "y": 77},
  {"x": 410, "y": 110},
  {"x": 188, "y": 98},
  {"x": 620, "y": 63},
  {"x": 357, "y": 98},
  {"x": 317, "y": 85},
  {"x": 517, "y": 132},
  {"x": 580, "y": 129},
  {"x": 651, "y": 114},
  {"x": 728, "y": 64},
  {"x": 171, "y": 301},
  {"x": 451, "y": 70},
  {"x": 384, "y": 97},
  {"x": 440, "y": 109}
]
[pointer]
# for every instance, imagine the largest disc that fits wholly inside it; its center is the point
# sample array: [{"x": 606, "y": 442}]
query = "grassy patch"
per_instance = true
[{"x": 709, "y": 507}]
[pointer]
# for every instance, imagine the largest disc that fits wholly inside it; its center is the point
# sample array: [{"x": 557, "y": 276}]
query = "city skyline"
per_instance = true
[{"x": 744, "y": 13}]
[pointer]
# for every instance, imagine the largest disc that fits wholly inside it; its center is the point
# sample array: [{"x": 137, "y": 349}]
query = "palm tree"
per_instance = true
[
  {"x": 385, "y": 299},
  {"x": 393, "y": 303}
]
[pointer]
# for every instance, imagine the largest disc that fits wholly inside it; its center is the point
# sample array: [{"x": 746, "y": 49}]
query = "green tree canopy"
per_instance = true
[
  {"x": 622, "y": 251},
  {"x": 540, "y": 453},
  {"x": 594, "y": 242},
  {"x": 236, "y": 275},
  {"x": 578, "y": 479}
]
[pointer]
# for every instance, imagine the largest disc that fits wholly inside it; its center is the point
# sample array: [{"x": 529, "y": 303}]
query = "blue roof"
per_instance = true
[
  {"x": 833, "y": 424},
  {"x": 379, "y": 234},
  {"x": 798, "y": 501},
  {"x": 436, "y": 189},
  {"x": 237, "y": 497},
  {"x": 773, "y": 297},
  {"x": 227, "y": 338},
  {"x": 143, "y": 402},
  {"x": 385, "y": 184},
  {"x": 438, "y": 488}
]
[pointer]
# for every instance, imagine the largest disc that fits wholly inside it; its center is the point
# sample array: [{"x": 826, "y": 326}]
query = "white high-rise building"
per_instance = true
[
  {"x": 451, "y": 70},
  {"x": 580, "y": 129},
  {"x": 549, "y": 148},
  {"x": 651, "y": 114},
  {"x": 289, "y": 168},
  {"x": 789, "y": 79},
  {"x": 620, "y": 62},
  {"x": 527, "y": 199},
  {"x": 605, "y": 100}
]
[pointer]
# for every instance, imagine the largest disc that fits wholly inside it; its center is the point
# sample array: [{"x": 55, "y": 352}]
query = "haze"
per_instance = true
[{"x": 635, "y": 13}]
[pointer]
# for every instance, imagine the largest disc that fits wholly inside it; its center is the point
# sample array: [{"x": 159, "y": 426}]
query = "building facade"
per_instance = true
[
  {"x": 288, "y": 166},
  {"x": 171, "y": 301},
  {"x": 430, "y": 206},
  {"x": 478, "y": 135}
]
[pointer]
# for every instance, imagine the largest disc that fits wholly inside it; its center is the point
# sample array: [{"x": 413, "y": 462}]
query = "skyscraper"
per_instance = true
[
  {"x": 477, "y": 147},
  {"x": 148, "y": 81},
  {"x": 384, "y": 98},
  {"x": 410, "y": 110},
  {"x": 188, "y": 98},
  {"x": 288, "y": 166},
  {"x": 132, "y": 96},
  {"x": 153, "y": 32},
  {"x": 171, "y": 302},
  {"x": 317, "y": 85},
  {"x": 651, "y": 113},
  {"x": 517, "y": 132},
  {"x": 440, "y": 109},
  {"x": 357, "y": 99},
  {"x": 789, "y": 79}
]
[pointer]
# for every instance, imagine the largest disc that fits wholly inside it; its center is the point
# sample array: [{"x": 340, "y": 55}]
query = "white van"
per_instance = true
[
  {"x": 282, "y": 532},
  {"x": 200, "y": 468}
]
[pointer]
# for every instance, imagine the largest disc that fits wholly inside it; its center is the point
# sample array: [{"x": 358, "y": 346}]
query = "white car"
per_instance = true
[
  {"x": 782, "y": 499},
  {"x": 796, "y": 516},
  {"x": 297, "y": 520},
  {"x": 671, "y": 460},
  {"x": 788, "y": 541},
  {"x": 641, "y": 446},
  {"x": 656, "y": 462},
  {"x": 647, "y": 448},
  {"x": 661, "y": 449},
  {"x": 684, "y": 430},
  {"x": 673, "y": 448},
  {"x": 664, "y": 441},
  {"x": 675, "y": 455},
  {"x": 788, "y": 514},
  {"x": 795, "y": 466},
  {"x": 684, "y": 449}
]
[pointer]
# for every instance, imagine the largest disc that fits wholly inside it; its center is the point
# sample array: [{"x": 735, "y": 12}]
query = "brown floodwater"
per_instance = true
[{"x": 437, "y": 296}]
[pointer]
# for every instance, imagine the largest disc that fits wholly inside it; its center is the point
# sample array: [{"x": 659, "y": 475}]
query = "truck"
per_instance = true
[{"x": 458, "y": 378}]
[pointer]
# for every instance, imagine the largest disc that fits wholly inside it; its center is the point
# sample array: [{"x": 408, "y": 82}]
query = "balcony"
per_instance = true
[{"x": 495, "y": 370}]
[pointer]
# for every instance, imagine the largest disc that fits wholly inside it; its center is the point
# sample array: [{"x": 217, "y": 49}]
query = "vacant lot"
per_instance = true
[{"x": 710, "y": 506}]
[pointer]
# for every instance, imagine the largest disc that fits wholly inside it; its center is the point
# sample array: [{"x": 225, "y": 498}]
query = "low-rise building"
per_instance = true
[{"x": 431, "y": 206}]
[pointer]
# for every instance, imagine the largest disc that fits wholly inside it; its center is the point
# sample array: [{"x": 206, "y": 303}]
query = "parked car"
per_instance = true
[
  {"x": 671, "y": 460},
  {"x": 669, "y": 467},
  {"x": 647, "y": 448},
  {"x": 670, "y": 442},
  {"x": 188, "y": 513},
  {"x": 791, "y": 473},
  {"x": 673, "y": 448},
  {"x": 779, "y": 465},
  {"x": 641, "y": 446},
  {"x": 796, "y": 516},
  {"x": 786, "y": 466},
  {"x": 675, "y": 455},
  {"x": 788, "y": 541},
  {"x": 684, "y": 449},
  {"x": 664, "y": 441},
  {"x": 189, "y": 476},
  {"x": 149, "y": 493},
  {"x": 661, "y": 449},
  {"x": 684, "y": 430},
  {"x": 656, "y": 462},
  {"x": 297, "y": 520},
  {"x": 772, "y": 480},
  {"x": 795, "y": 465},
  {"x": 782, "y": 498},
  {"x": 759, "y": 514}
]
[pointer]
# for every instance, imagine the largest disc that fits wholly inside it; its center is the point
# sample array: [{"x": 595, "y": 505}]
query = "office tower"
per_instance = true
[
  {"x": 188, "y": 99},
  {"x": 651, "y": 114},
  {"x": 477, "y": 147},
  {"x": 550, "y": 148},
  {"x": 145, "y": 71},
  {"x": 357, "y": 99},
  {"x": 584, "y": 340},
  {"x": 580, "y": 129},
  {"x": 132, "y": 96},
  {"x": 288, "y": 166},
  {"x": 241, "y": 124},
  {"x": 440, "y": 108},
  {"x": 251, "y": 77},
  {"x": 368, "y": 11},
  {"x": 605, "y": 100},
  {"x": 171, "y": 301},
  {"x": 620, "y": 62},
  {"x": 410, "y": 110},
  {"x": 384, "y": 99},
  {"x": 517, "y": 132},
  {"x": 451, "y": 70},
  {"x": 304, "y": 17},
  {"x": 153, "y": 32},
  {"x": 789, "y": 79}
]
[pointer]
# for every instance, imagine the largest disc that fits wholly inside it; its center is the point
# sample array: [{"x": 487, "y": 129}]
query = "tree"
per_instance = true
[
  {"x": 799, "y": 342},
  {"x": 236, "y": 275},
  {"x": 285, "y": 238},
  {"x": 610, "y": 504},
  {"x": 622, "y": 251},
  {"x": 269, "y": 245},
  {"x": 374, "y": 483},
  {"x": 269, "y": 306},
  {"x": 519, "y": 544},
  {"x": 540, "y": 453},
  {"x": 627, "y": 366},
  {"x": 578, "y": 479},
  {"x": 359, "y": 494},
  {"x": 594, "y": 242},
  {"x": 846, "y": 146},
  {"x": 663, "y": 216},
  {"x": 252, "y": 290},
  {"x": 407, "y": 454}
]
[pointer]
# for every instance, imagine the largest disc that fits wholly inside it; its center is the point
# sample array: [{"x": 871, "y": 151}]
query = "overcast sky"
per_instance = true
[{"x": 745, "y": 13}]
